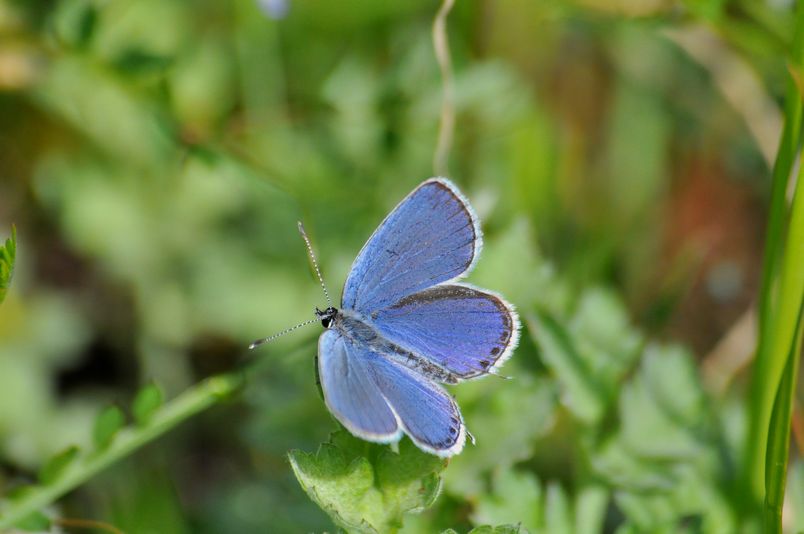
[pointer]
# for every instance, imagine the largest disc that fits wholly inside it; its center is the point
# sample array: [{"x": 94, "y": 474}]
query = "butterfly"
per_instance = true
[{"x": 406, "y": 325}]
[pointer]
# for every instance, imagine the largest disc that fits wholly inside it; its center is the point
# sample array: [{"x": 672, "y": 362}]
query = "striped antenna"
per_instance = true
[
  {"x": 319, "y": 315},
  {"x": 259, "y": 342},
  {"x": 315, "y": 263}
]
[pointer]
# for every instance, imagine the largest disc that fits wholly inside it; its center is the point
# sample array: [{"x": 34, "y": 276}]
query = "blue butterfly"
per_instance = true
[{"x": 406, "y": 325}]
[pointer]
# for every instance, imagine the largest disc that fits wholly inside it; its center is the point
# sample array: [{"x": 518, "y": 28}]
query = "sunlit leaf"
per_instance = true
[{"x": 366, "y": 487}]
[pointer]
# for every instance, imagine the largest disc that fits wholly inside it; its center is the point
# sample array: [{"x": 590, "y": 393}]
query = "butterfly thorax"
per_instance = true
[{"x": 358, "y": 329}]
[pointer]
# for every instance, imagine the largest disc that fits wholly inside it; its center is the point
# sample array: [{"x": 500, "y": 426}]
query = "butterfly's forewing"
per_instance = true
[
  {"x": 351, "y": 392},
  {"x": 460, "y": 328},
  {"x": 428, "y": 414},
  {"x": 431, "y": 237}
]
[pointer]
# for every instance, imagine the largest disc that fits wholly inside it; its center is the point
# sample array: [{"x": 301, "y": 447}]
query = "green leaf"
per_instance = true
[
  {"x": 589, "y": 352},
  {"x": 366, "y": 487},
  {"x": 663, "y": 408},
  {"x": 590, "y": 509},
  {"x": 494, "y": 411},
  {"x": 557, "y": 516},
  {"x": 36, "y": 522},
  {"x": 664, "y": 462},
  {"x": 56, "y": 465},
  {"x": 516, "y": 496},
  {"x": 145, "y": 404},
  {"x": 585, "y": 396},
  {"x": 8, "y": 253},
  {"x": 109, "y": 421}
]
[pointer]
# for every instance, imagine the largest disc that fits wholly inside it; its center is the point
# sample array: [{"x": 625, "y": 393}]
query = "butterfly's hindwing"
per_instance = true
[
  {"x": 351, "y": 392},
  {"x": 465, "y": 330}
]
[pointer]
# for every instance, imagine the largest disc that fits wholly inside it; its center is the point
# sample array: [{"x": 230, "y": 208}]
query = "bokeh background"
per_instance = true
[{"x": 155, "y": 156}]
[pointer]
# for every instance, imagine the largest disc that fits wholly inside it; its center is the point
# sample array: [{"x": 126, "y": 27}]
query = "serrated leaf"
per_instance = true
[
  {"x": 8, "y": 254},
  {"x": 366, "y": 487},
  {"x": 36, "y": 522},
  {"x": 56, "y": 465},
  {"x": 109, "y": 421},
  {"x": 147, "y": 401}
]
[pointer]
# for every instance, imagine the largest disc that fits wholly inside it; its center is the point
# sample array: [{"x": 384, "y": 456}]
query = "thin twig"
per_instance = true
[{"x": 447, "y": 124}]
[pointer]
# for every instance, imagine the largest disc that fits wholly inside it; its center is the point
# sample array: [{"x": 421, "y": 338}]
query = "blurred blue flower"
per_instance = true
[{"x": 275, "y": 9}]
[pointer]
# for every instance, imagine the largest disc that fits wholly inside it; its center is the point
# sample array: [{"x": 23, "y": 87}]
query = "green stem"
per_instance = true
[
  {"x": 779, "y": 439},
  {"x": 770, "y": 362},
  {"x": 196, "y": 399},
  {"x": 784, "y": 342}
]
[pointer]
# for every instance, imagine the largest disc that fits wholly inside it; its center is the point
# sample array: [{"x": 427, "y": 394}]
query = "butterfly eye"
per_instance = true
[{"x": 326, "y": 316}]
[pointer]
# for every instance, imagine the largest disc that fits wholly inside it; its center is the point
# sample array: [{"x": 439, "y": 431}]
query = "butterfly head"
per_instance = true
[{"x": 326, "y": 316}]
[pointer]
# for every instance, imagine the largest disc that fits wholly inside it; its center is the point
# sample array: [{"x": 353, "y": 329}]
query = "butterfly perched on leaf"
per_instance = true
[{"x": 406, "y": 325}]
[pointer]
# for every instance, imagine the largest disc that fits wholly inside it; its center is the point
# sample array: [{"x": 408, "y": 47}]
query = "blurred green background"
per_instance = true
[{"x": 155, "y": 156}]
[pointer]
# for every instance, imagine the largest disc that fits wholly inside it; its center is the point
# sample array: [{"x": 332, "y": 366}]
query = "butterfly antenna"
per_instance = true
[
  {"x": 315, "y": 263},
  {"x": 259, "y": 342}
]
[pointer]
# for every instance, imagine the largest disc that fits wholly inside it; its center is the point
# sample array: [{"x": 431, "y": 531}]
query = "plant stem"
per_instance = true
[
  {"x": 772, "y": 356},
  {"x": 785, "y": 341},
  {"x": 779, "y": 440},
  {"x": 194, "y": 400},
  {"x": 447, "y": 125}
]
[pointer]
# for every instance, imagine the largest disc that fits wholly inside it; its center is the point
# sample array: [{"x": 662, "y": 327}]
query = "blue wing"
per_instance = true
[
  {"x": 462, "y": 329},
  {"x": 351, "y": 392},
  {"x": 376, "y": 399},
  {"x": 427, "y": 413},
  {"x": 431, "y": 237}
]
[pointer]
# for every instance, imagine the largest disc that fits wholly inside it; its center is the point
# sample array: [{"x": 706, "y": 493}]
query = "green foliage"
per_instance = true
[
  {"x": 36, "y": 522},
  {"x": 109, "y": 422},
  {"x": 8, "y": 253},
  {"x": 590, "y": 354},
  {"x": 488, "y": 529},
  {"x": 56, "y": 465},
  {"x": 494, "y": 414},
  {"x": 366, "y": 487},
  {"x": 781, "y": 310},
  {"x": 72, "y": 467},
  {"x": 161, "y": 152},
  {"x": 147, "y": 401},
  {"x": 514, "y": 495}
]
